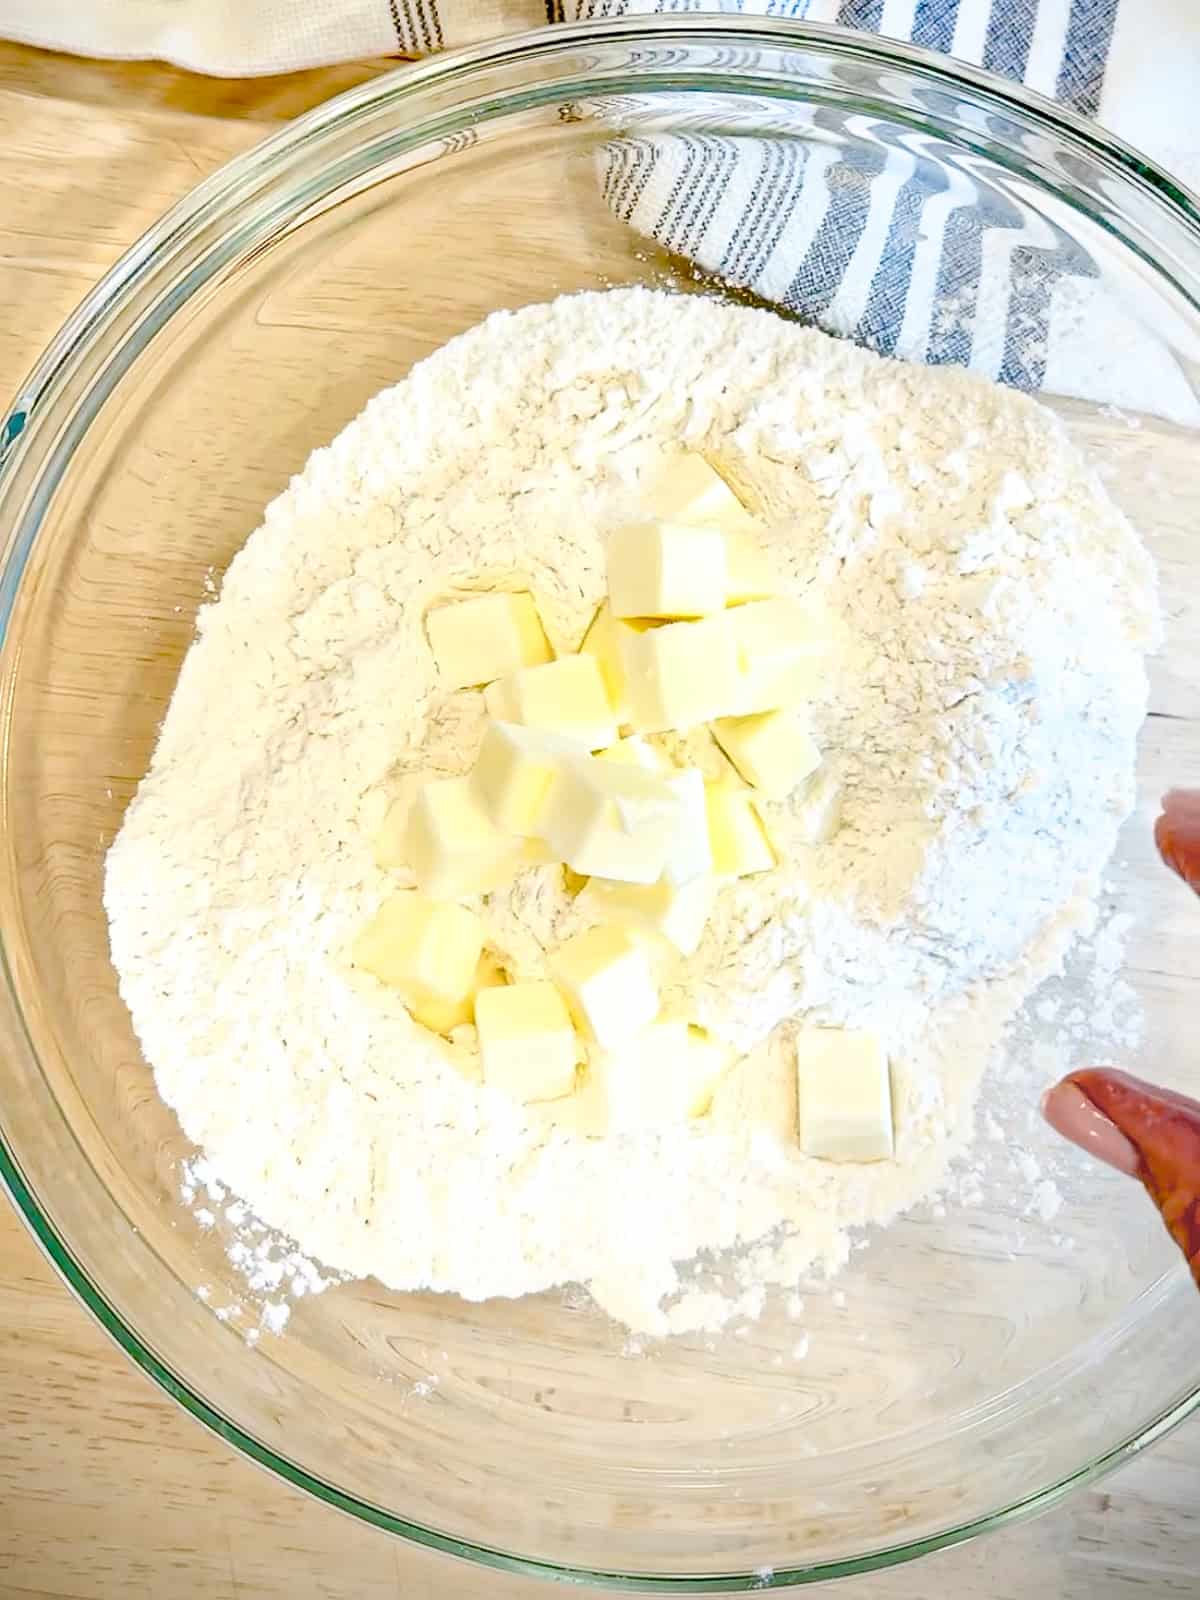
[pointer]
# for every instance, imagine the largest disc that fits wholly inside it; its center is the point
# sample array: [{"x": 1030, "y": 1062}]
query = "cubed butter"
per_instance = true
[
  {"x": 780, "y": 655},
  {"x": 666, "y": 569},
  {"x": 428, "y": 950},
  {"x": 771, "y": 750},
  {"x": 477, "y": 640},
  {"x": 635, "y": 752},
  {"x": 602, "y": 643},
  {"x": 537, "y": 853},
  {"x": 690, "y": 853},
  {"x": 748, "y": 574},
  {"x": 688, "y": 489},
  {"x": 682, "y": 673},
  {"x": 608, "y": 981},
  {"x": 663, "y": 1077},
  {"x": 678, "y": 913},
  {"x": 844, "y": 1095},
  {"x": 390, "y": 843},
  {"x": 611, "y": 821},
  {"x": 527, "y": 1042},
  {"x": 566, "y": 697},
  {"x": 448, "y": 1016},
  {"x": 513, "y": 774},
  {"x": 453, "y": 846},
  {"x": 739, "y": 841}
]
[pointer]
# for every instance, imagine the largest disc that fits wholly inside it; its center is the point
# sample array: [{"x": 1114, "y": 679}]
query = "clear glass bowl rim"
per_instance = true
[{"x": 225, "y": 193}]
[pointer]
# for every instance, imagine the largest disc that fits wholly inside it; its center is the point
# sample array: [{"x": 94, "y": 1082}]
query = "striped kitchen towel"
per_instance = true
[
  {"x": 899, "y": 241},
  {"x": 863, "y": 227}
]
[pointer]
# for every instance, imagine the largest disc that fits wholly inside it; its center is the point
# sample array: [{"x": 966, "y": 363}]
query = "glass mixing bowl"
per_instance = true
[{"x": 972, "y": 1364}]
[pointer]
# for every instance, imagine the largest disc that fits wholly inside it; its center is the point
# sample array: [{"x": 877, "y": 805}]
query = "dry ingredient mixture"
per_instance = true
[{"x": 978, "y": 720}]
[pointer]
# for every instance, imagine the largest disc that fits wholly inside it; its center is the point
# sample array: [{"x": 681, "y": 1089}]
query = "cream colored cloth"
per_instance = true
[{"x": 251, "y": 38}]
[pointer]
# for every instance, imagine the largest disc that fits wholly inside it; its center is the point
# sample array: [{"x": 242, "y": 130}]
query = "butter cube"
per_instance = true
[
  {"x": 770, "y": 750},
  {"x": 678, "y": 914},
  {"x": 748, "y": 574},
  {"x": 602, "y": 643},
  {"x": 513, "y": 774},
  {"x": 566, "y": 697},
  {"x": 389, "y": 846},
  {"x": 664, "y": 569},
  {"x": 740, "y": 845},
  {"x": 527, "y": 1043},
  {"x": 445, "y": 1016},
  {"x": 844, "y": 1095},
  {"x": 426, "y": 949},
  {"x": 682, "y": 673},
  {"x": 635, "y": 752},
  {"x": 819, "y": 810},
  {"x": 611, "y": 821},
  {"x": 608, "y": 982},
  {"x": 452, "y": 845},
  {"x": 690, "y": 853},
  {"x": 688, "y": 489},
  {"x": 663, "y": 1077},
  {"x": 478, "y": 640},
  {"x": 780, "y": 655}
]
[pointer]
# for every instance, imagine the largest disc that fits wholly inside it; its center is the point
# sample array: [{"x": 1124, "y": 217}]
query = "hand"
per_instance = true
[{"x": 1145, "y": 1131}]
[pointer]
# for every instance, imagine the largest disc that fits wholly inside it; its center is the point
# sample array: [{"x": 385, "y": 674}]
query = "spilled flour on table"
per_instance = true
[
  {"x": 273, "y": 1274},
  {"x": 990, "y": 610}
]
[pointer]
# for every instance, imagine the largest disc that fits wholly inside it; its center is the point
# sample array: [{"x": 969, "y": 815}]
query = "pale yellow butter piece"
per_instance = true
[
  {"x": 389, "y": 845},
  {"x": 780, "y": 655},
  {"x": 611, "y": 821},
  {"x": 771, "y": 750},
  {"x": 679, "y": 913},
  {"x": 566, "y": 697},
  {"x": 513, "y": 773},
  {"x": 665, "y": 569},
  {"x": 452, "y": 845},
  {"x": 682, "y": 673},
  {"x": 429, "y": 950},
  {"x": 740, "y": 845},
  {"x": 844, "y": 1095},
  {"x": 748, "y": 574},
  {"x": 688, "y": 489},
  {"x": 477, "y": 640},
  {"x": 664, "y": 1076},
  {"x": 690, "y": 853},
  {"x": 602, "y": 643},
  {"x": 608, "y": 981},
  {"x": 527, "y": 1042},
  {"x": 449, "y": 1016},
  {"x": 635, "y": 752}
]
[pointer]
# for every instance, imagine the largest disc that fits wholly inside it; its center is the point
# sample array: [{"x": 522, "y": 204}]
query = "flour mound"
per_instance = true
[{"x": 991, "y": 611}]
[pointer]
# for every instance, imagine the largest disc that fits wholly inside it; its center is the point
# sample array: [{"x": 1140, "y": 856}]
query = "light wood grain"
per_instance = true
[{"x": 106, "y": 1488}]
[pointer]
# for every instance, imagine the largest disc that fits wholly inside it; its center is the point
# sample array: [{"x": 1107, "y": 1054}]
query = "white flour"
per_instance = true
[{"x": 994, "y": 610}]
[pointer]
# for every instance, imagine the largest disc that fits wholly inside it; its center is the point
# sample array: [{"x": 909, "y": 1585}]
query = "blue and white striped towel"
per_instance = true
[
  {"x": 864, "y": 228},
  {"x": 889, "y": 236}
]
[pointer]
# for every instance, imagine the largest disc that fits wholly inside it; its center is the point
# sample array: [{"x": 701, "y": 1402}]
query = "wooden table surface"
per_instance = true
[{"x": 106, "y": 1488}]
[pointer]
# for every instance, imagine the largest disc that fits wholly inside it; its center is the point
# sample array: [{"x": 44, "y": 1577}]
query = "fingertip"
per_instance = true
[{"x": 1070, "y": 1113}]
